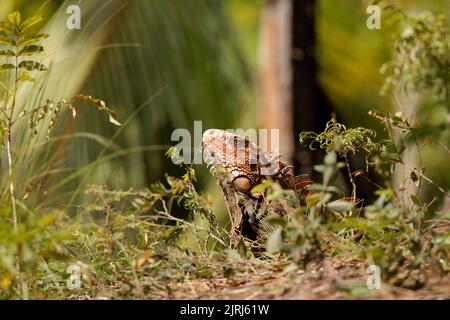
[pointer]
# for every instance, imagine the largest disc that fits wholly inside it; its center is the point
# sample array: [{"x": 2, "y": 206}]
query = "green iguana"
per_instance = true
[{"x": 239, "y": 165}]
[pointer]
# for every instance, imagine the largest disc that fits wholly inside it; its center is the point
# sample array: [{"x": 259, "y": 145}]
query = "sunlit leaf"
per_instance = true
[
  {"x": 14, "y": 18},
  {"x": 32, "y": 65},
  {"x": 25, "y": 77},
  {"x": 261, "y": 187},
  {"x": 427, "y": 140},
  {"x": 7, "y": 53},
  {"x": 415, "y": 199},
  {"x": 101, "y": 106},
  {"x": 46, "y": 220},
  {"x": 172, "y": 231},
  {"x": 277, "y": 221},
  {"x": 340, "y": 206},
  {"x": 113, "y": 120},
  {"x": 31, "y": 22},
  {"x": 30, "y": 50},
  {"x": 7, "y": 66},
  {"x": 233, "y": 255},
  {"x": 5, "y": 282},
  {"x": 5, "y": 27},
  {"x": 6, "y": 40},
  {"x": 34, "y": 39},
  {"x": 274, "y": 241},
  {"x": 319, "y": 168},
  {"x": 330, "y": 159},
  {"x": 325, "y": 198}
]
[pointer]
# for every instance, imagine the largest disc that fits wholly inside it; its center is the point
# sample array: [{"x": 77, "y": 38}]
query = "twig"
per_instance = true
[
  {"x": 446, "y": 194},
  {"x": 170, "y": 217},
  {"x": 350, "y": 175}
]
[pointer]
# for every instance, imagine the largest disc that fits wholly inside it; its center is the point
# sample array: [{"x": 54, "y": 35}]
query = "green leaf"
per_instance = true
[
  {"x": 330, "y": 159},
  {"x": 31, "y": 22},
  {"x": 32, "y": 65},
  {"x": 30, "y": 50},
  {"x": 113, "y": 120},
  {"x": 328, "y": 174},
  {"x": 233, "y": 255},
  {"x": 5, "y": 27},
  {"x": 361, "y": 224},
  {"x": 172, "y": 231},
  {"x": 313, "y": 199},
  {"x": 319, "y": 168},
  {"x": 395, "y": 120},
  {"x": 5, "y": 67},
  {"x": 7, "y": 53},
  {"x": 260, "y": 188},
  {"x": 228, "y": 272},
  {"x": 277, "y": 221},
  {"x": 6, "y": 41},
  {"x": 14, "y": 18},
  {"x": 274, "y": 241},
  {"x": 340, "y": 206},
  {"x": 46, "y": 220},
  {"x": 35, "y": 38},
  {"x": 415, "y": 199},
  {"x": 320, "y": 188},
  {"x": 25, "y": 77},
  {"x": 101, "y": 106},
  {"x": 242, "y": 249},
  {"x": 325, "y": 198}
]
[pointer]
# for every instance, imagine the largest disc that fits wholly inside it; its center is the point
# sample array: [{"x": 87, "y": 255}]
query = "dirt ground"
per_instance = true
[{"x": 332, "y": 279}]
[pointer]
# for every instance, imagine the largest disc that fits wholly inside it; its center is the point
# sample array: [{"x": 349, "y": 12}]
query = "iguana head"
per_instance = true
[{"x": 238, "y": 159}]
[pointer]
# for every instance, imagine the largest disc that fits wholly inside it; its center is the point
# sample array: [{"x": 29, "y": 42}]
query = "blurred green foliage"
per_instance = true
[
  {"x": 422, "y": 59},
  {"x": 186, "y": 54},
  {"x": 351, "y": 58}
]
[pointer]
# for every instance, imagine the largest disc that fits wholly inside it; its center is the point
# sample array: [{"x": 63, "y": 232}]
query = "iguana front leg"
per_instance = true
[
  {"x": 234, "y": 211},
  {"x": 244, "y": 212}
]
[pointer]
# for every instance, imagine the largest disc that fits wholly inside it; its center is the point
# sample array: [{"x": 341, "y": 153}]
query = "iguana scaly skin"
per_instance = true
[{"x": 239, "y": 165}]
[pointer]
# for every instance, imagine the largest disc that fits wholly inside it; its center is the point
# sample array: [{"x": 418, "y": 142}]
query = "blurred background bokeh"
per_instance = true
[{"x": 229, "y": 63}]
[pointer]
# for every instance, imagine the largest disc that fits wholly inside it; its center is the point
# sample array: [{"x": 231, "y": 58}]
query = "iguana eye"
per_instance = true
[{"x": 242, "y": 184}]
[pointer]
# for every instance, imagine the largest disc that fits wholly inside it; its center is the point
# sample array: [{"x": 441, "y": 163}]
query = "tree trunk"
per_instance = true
[
  {"x": 311, "y": 108},
  {"x": 291, "y": 98},
  {"x": 276, "y": 74}
]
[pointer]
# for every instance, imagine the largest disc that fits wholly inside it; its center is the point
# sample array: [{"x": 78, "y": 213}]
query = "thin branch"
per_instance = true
[
  {"x": 166, "y": 214},
  {"x": 446, "y": 194}
]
